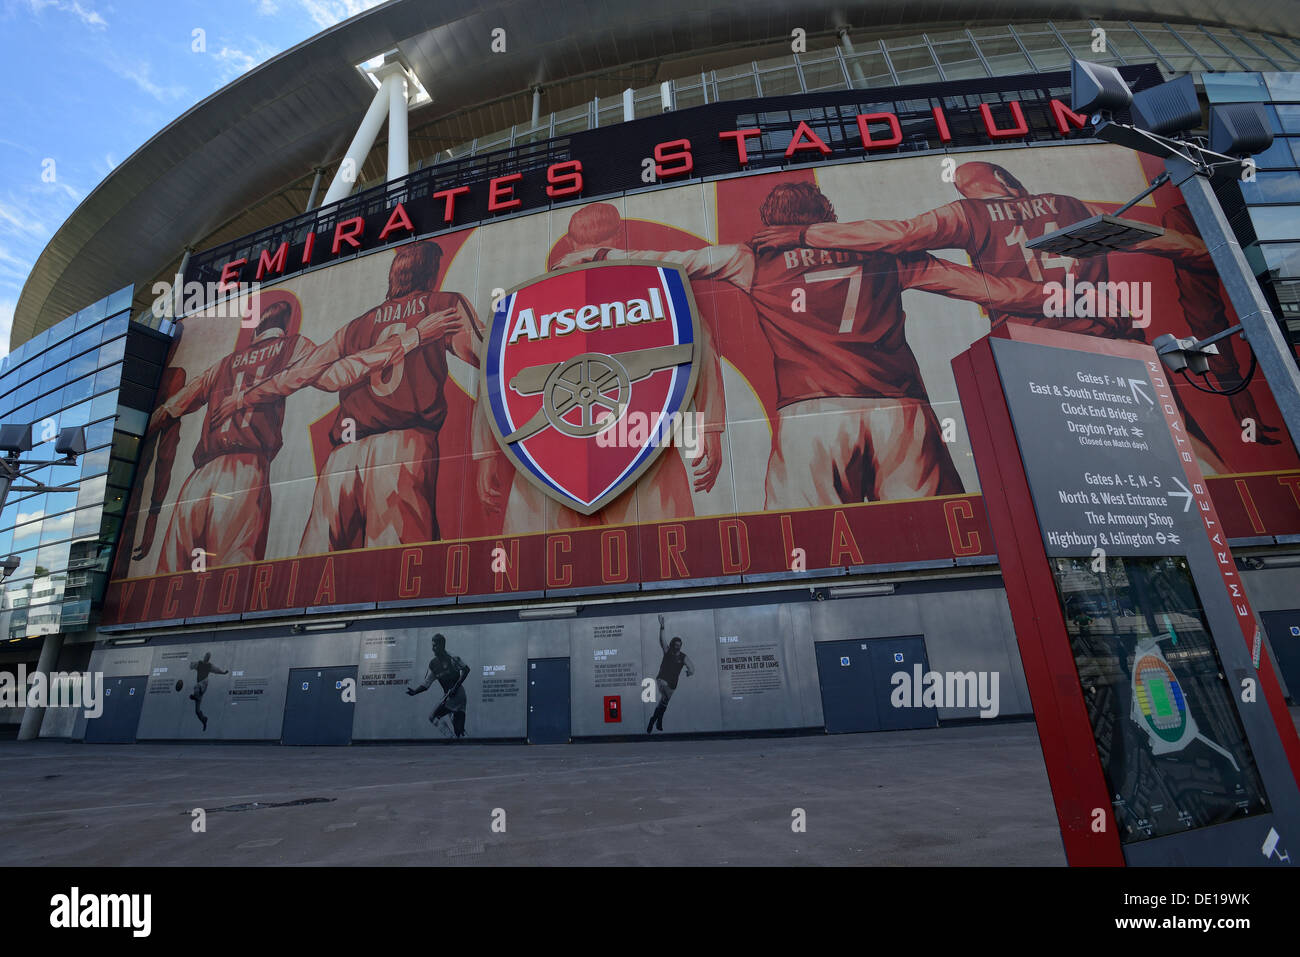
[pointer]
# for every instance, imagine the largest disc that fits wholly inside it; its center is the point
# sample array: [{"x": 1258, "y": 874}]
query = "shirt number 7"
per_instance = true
[{"x": 854, "y": 275}]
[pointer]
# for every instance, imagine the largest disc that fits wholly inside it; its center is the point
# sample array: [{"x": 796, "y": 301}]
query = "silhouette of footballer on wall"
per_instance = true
[
  {"x": 670, "y": 670},
  {"x": 203, "y": 669},
  {"x": 450, "y": 672}
]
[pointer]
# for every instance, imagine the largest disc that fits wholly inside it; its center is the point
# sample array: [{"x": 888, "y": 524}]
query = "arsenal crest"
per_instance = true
[{"x": 572, "y": 354}]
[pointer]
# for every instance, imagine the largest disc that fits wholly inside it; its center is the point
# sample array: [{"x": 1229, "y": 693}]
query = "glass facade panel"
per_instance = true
[
  {"x": 785, "y": 82},
  {"x": 1234, "y": 87},
  {"x": 1179, "y": 58},
  {"x": 64, "y": 539},
  {"x": 103, "y": 405},
  {"x": 1283, "y": 86},
  {"x": 959, "y": 60},
  {"x": 1288, "y": 117},
  {"x": 1276, "y": 222},
  {"x": 134, "y": 421},
  {"x": 95, "y": 462},
  {"x": 111, "y": 352},
  {"x": 1282, "y": 259},
  {"x": 824, "y": 75},
  {"x": 1272, "y": 188},
  {"x": 91, "y": 491},
  {"x": 737, "y": 88},
  {"x": 86, "y": 521},
  {"x": 79, "y": 391},
  {"x": 1278, "y": 155},
  {"x": 1004, "y": 56},
  {"x": 914, "y": 65},
  {"x": 868, "y": 70},
  {"x": 1045, "y": 49}
]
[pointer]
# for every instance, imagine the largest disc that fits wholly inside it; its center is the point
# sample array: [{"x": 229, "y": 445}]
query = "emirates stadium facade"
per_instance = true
[{"x": 326, "y": 472}]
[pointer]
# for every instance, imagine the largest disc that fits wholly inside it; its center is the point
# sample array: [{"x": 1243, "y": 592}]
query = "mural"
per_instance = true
[{"x": 340, "y": 445}]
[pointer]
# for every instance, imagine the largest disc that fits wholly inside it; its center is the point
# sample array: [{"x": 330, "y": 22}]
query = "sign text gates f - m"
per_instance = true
[{"x": 571, "y": 354}]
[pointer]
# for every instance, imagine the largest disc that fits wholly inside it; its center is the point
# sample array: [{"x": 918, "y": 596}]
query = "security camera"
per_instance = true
[
  {"x": 15, "y": 439},
  {"x": 71, "y": 442}
]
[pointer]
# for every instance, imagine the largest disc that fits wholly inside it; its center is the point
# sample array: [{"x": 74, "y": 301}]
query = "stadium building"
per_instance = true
[{"x": 585, "y": 369}]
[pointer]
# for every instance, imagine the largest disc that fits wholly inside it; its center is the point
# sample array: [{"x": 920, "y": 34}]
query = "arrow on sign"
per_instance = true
[
  {"x": 1137, "y": 389},
  {"x": 1185, "y": 493}
]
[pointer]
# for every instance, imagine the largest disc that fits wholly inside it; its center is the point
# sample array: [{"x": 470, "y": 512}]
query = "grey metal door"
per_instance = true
[
  {"x": 889, "y": 656},
  {"x": 848, "y": 684},
  {"x": 548, "y": 700},
  {"x": 123, "y": 699},
  {"x": 315, "y": 712}
]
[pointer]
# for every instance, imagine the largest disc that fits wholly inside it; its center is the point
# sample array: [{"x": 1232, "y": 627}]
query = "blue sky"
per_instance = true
[{"x": 84, "y": 83}]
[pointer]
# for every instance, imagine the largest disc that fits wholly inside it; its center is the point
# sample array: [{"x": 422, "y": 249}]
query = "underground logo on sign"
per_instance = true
[{"x": 571, "y": 354}]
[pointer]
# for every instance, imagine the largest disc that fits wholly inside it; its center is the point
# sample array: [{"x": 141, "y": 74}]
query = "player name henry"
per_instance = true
[{"x": 588, "y": 318}]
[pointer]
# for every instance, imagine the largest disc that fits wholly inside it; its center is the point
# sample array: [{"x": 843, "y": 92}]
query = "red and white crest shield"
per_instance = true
[{"x": 587, "y": 370}]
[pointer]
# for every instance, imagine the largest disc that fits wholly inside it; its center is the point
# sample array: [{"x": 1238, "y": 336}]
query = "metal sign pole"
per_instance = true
[{"x": 1262, "y": 331}]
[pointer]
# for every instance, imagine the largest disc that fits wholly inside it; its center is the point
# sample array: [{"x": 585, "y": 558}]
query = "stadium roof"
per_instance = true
[{"x": 244, "y": 158}]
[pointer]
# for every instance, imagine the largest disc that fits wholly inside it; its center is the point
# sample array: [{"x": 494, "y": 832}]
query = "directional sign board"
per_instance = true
[
  {"x": 1106, "y": 471},
  {"x": 1164, "y": 742}
]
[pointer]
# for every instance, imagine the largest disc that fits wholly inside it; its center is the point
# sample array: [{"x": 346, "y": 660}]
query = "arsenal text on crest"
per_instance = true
[{"x": 589, "y": 317}]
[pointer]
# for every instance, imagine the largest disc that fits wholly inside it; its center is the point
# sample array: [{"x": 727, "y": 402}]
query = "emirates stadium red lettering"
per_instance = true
[{"x": 673, "y": 159}]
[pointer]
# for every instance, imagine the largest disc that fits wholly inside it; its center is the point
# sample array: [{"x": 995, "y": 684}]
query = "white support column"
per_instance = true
[
  {"x": 315, "y": 189},
  {"x": 855, "y": 67},
  {"x": 178, "y": 287},
  {"x": 629, "y": 106},
  {"x": 30, "y": 728},
  {"x": 537, "y": 105},
  {"x": 359, "y": 148},
  {"x": 399, "y": 153}
]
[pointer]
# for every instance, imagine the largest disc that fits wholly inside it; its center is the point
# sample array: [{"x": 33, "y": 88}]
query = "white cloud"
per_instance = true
[
  {"x": 326, "y": 13},
  {"x": 140, "y": 73},
  {"x": 13, "y": 269},
  {"x": 12, "y": 220},
  {"x": 267, "y": 8},
  {"x": 87, "y": 15}
]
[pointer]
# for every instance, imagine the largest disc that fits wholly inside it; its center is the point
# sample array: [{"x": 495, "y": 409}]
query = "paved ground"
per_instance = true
[{"x": 966, "y": 795}]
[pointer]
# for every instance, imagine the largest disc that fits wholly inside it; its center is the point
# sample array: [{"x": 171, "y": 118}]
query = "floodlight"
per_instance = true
[
  {"x": 71, "y": 442},
  {"x": 1094, "y": 236},
  {"x": 1239, "y": 129},
  {"x": 9, "y": 566},
  {"x": 1184, "y": 355},
  {"x": 15, "y": 439},
  {"x": 1168, "y": 109},
  {"x": 1097, "y": 89}
]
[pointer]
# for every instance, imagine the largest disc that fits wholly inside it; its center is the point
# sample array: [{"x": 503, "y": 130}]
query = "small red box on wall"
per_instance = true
[{"x": 613, "y": 708}]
